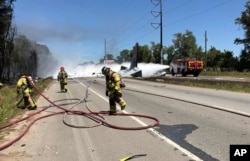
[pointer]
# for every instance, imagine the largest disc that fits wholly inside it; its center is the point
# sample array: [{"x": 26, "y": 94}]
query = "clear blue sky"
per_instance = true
[{"x": 75, "y": 30}]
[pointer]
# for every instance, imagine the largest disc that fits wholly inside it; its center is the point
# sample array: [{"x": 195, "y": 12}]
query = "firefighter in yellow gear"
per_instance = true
[
  {"x": 62, "y": 78},
  {"x": 114, "y": 87},
  {"x": 24, "y": 86}
]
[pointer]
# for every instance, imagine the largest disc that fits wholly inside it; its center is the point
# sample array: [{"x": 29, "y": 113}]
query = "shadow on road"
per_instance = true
[{"x": 178, "y": 133}]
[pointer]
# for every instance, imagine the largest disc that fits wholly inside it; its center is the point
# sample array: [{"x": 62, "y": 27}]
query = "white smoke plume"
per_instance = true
[{"x": 93, "y": 70}]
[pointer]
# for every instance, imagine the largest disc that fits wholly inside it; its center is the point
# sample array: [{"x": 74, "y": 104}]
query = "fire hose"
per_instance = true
[{"x": 95, "y": 116}]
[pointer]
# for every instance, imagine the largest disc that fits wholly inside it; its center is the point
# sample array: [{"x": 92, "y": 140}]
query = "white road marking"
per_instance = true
[{"x": 156, "y": 133}]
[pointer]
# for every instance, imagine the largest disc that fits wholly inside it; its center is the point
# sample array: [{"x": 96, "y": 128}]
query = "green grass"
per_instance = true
[
  {"x": 218, "y": 85},
  {"x": 8, "y": 108},
  {"x": 229, "y": 74},
  {"x": 235, "y": 86}
]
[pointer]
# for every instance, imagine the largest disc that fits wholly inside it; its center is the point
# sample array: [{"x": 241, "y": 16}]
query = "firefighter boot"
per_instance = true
[
  {"x": 122, "y": 103},
  {"x": 26, "y": 102},
  {"x": 62, "y": 87},
  {"x": 112, "y": 110},
  {"x": 32, "y": 107},
  {"x": 65, "y": 88}
]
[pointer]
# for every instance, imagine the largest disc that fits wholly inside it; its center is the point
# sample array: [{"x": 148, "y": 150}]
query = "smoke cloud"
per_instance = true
[{"x": 94, "y": 70}]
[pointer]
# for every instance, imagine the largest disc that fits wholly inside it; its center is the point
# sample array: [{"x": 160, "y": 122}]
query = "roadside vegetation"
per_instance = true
[
  {"x": 19, "y": 54},
  {"x": 218, "y": 84},
  {"x": 8, "y": 103},
  {"x": 235, "y": 86},
  {"x": 227, "y": 74}
]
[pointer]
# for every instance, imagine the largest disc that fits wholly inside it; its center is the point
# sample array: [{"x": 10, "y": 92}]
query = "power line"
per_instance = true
[
  {"x": 135, "y": 31},
  {"x": 128, "y": 27},
  {"x": 199, "y": 13},
  {"x": 160, "y": 23},
  {"x": 125, "y": 29},
  {"x": 176, "y": 7}
]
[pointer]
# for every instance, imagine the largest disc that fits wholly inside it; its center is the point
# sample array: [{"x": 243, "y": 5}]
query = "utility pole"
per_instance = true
[
  {"x": 159, "y": 24},
  {"x": 205, "y": 50},
  {"x": 105, "y": 52},
  {"x": 161, "y": 49}
]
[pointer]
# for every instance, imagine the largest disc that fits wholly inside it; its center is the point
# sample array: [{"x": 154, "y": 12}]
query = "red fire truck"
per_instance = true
[{"x": 186, "y": 66}]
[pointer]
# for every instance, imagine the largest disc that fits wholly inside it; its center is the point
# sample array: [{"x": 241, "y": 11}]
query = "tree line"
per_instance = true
[
  {"x": 184, "y": 46},
  {"x": 19, "y": 54}
]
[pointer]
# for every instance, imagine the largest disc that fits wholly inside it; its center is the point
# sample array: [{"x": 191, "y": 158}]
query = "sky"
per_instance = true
[{"x": 77, "y": 31}]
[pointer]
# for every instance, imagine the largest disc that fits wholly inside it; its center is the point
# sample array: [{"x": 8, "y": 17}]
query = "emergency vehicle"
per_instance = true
[{"x": 186, "y": 67}]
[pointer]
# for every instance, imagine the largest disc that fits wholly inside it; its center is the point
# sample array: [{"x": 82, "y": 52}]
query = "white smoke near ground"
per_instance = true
[
  {"x": 94, "y": 70},
  {"x": 151, "y": 69}
]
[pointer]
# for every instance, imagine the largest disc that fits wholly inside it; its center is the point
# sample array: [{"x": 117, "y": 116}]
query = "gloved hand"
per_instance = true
[
  {"x": 118, "y": 94},
  {"x": 107, "y": 93},
  {"x": 24, "y": 87},
  {"x": 122, "y": 85}
]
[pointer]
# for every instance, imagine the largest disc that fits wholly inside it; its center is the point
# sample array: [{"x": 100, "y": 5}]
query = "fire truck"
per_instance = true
[{"x": 186, "y": 67}]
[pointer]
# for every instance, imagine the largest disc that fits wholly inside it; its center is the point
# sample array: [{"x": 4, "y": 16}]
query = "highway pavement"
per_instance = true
[{"x": 194, "y": 124}]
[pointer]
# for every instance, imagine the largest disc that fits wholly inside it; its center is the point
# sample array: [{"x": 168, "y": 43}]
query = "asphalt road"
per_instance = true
[{"x": 186, "y": 132}]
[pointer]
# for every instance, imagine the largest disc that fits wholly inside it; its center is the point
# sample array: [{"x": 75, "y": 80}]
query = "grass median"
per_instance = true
[{"x": 235, "y": 85}]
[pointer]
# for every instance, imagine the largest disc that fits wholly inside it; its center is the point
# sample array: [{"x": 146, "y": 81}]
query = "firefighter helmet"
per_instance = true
[{"x": 105, "y": 70}]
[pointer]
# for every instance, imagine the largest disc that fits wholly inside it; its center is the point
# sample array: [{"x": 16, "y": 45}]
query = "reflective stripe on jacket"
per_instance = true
[{"x": 113, "y": 81}]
